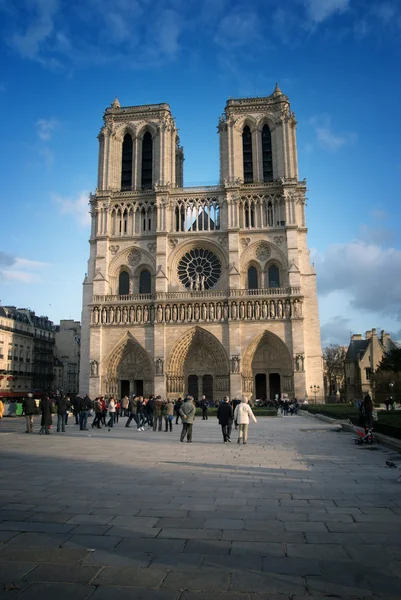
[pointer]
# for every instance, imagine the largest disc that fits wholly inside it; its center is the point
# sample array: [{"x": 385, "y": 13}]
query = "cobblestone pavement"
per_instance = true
[{"x": 300, "y": 512}]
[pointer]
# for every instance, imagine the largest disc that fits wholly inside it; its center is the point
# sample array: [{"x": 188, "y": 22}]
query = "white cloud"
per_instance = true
[
  {"x": 320, "y": 10},
  {"x": 237, "y": 29},
  {"x": 326, "y": 138},
  {"x": 45, "y": 128},
  {"x": 24, "y": 270},
  {"x": 366, "y": 271},
  {"x": 78, "y": 207},
  {"x": 336, "y": 331}
]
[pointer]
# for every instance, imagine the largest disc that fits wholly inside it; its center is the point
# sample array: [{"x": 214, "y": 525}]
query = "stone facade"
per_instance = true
[
  {"x": 204, "y": 289},
  {"x": 16, "y": 352},
  {"x": 361, "y": 361}
]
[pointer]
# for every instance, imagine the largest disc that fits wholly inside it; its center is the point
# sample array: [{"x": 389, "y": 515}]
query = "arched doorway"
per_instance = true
[
  {"x": 267, "y": 368},
  {"x": 129, "y": 370},
  {"x": 198, "y": 365}
]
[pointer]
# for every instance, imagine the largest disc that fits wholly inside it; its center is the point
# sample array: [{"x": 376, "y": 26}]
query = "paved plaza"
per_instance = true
[{"x": 300, "y": 511}]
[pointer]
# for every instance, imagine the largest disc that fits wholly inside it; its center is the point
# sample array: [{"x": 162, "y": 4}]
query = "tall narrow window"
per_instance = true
[
  {"x": 123, "y": 284},
  {"x": 145, "y": 282},
  {"x": 274, "y": 277},
  {"x": 126, "y": 165},
  {"x": 247, "y": 154},
  {"x": 147, "y": 160},
  {"x": 267, "y": 154},
  {"x": 252, "y": 278}
]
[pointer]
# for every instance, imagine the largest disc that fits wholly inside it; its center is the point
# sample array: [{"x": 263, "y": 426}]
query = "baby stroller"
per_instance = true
[{"x": 363, "y": 436}]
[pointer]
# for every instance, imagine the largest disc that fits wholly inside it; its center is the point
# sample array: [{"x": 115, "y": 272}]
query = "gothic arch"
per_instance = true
[
  {"x": 121, "y": 131},
  {"x": 265, "y": 120},
  {"x": 143, "y": 128},
  {"x": 279, "y": 351},
  {"x": 128, "y": 360},
  {"x": 145, "y": 260},
  {"x": 264, "y": 249},
  {"x": 201, "y": 337},
  {"x": 242, "y": 122},
  {"x": 197, "y": 242}
]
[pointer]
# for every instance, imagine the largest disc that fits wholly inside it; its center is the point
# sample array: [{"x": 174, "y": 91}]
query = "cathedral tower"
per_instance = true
[{"x": 205, "y": 290}]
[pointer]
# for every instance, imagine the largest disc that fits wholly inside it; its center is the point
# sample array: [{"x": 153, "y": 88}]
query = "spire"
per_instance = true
[
  {"x": 277, "y": 91},
  {"x": 116, "y": 103}
]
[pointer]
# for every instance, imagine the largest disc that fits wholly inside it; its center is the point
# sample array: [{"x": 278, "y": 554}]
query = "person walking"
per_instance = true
[
  {"x": 98, "y": 414},
  {"x": 168, "y": 414},
  {"x": 187, "y": 413},
  {"x": 132, "y": 406},
  {"x": 84, "y": 407},
  {"x": 112, "y": 412},
  {"x": 63, "y": 405},
  {"x": 242, "y": 413},
  {"x": 203, "y": 405},
  {"x": 157, "y": 414},
  {"x": 29, "y": 409},
  {"x": 177, "y": 407},
  {"x": 46, "y": 420},
  {"x": 225, "y": 417},
  {"x": 124, "y": 406},
  {"x": 140, "y": 414},
  {"x": 149, "y": 411},
  {"x": 76, "y": 403},
  {"x": 104, "y": 410}
]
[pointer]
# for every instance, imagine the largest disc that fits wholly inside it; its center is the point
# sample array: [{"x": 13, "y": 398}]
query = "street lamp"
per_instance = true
[{"x": 314, "y": 390}]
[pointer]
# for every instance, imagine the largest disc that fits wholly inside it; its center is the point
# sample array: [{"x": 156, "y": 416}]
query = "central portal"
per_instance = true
[{"x": 198, "y": 365}]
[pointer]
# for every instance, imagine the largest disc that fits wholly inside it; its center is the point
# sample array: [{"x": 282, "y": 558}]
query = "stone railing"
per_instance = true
[
  {"x": 197, "y": 294},
  {"x": 196, "y": 312}
]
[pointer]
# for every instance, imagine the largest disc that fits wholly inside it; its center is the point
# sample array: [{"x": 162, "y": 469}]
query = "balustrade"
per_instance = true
[
  {"x": 197, "y": 312},
  {"x": 198, "y": 294}
]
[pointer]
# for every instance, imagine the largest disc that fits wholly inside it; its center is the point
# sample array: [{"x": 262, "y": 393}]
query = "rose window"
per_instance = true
[{"x": 199, "y": 269}]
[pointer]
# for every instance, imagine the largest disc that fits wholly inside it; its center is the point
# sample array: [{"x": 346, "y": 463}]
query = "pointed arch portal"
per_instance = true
[
  {"x": 267, "y": 369},
  {"x": 129, "y": 370},
  {"x": 198, "y": 364}
]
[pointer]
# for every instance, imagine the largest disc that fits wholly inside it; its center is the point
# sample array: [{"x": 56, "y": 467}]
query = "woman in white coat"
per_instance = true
[{"x": 241, "y": 416}]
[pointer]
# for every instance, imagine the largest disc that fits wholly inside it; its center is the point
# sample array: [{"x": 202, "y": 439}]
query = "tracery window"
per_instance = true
[
  {"x": 145, "y": 282},
  {"x": 274, "y": 277},
  {"x": 252, "y": 278},
  {"x": 147, "y": 161},
  {"x": 199, "y": 269},
  {"x": 247, "y": 154},
  {"x": 123, "y": 283},
  {"x": 267, "y": 154},
  {"x": 126, "y": 163},
  {"x": 249, "y": 214}
]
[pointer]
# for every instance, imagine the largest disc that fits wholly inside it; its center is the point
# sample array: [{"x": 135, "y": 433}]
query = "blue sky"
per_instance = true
[{"x": 338, "y": 61}]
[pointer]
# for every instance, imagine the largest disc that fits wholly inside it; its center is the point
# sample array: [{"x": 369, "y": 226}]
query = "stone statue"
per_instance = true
[
  {"x": 182, "y": 312},
  {"x": 235, "y": 364},
  {"x": 218, "y": 311},
  {"x": 204, "y": 312},
  {"x": 189, "y": 312},
  {"x": 257, "y": 310},
  {"x": 168, "y": 313},
  {"x": 159, "y": 366},
  {"x": 196, "y": 312},
  {"x": 241, "y": 310},
  {"x": 211, "y": 312},
  {"x": 234, "y": 310},
  {"x": 139, "y": 314},
  {"x": 104, "y": 316},
  {"x": 287, "y": 309},
  {"x": 118, "y": 315},
  {"x": 96, "y": 316},
  {"x": 94, "y": 368},
  {"x": 197, "y": 282},
  {"x": 225, "y": 311},
  {"x": 175, "y": 312},
  {"x": 272, "y": 310},
  {"x": 159, "y": 314},
  {"x": 131, "y": 314},
  {"x": 249, "y": 310},
  {"x": 145, "y": 314},
  {"x": 296, "y": 308},
  {"x": 202, "y": 282},
  {"x": 279, "y": 310},
  {"x": 297, "y": 363},
  {"x": 125, "y": 314}
]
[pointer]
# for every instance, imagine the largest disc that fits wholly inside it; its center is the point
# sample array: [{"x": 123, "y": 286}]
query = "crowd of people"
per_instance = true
[{"x": 140, "y": 412}]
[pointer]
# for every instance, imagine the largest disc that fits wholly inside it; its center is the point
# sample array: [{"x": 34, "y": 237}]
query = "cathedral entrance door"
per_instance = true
[
  {"x": 193, "y": 386},
  {"x": 260, "y": 386},
  {"x": 275, "y": 385},
  {"x": 207, "y": 388},
  {"x": 124, "y": 388},
  {"x": 138, "y": 387}
]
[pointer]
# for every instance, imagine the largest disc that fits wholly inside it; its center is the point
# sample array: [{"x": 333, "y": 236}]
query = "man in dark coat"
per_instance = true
[
  {"x": 225, "y": 417},
  {"x": 75, "y": 408},
  {"x": 84, "y": 408},
  {"x": 46, "y": 421},
  {"x": 177, "y": 407},
  {"x": 63, "y": 405},
  {"x": 203, "y": 405},
  {"x": 29, "y": 410}
]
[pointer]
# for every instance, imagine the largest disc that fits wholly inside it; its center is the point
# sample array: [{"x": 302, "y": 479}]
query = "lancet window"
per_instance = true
[
  {"x": 126, "y": 163},
  {"x": 247, "y": 154},
  {"x": 123, "y": 283},
  {"x": 147, "y": 161},
  {"x": 273, "y": 276},
  {"x": 145, "y": 282},
  {"x": 252, "y": 278},
  {"x": 267, "y": 155}
]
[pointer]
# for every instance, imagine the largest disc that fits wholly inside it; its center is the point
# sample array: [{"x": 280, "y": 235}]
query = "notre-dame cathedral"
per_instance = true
[{"x": 200, "y": 290}]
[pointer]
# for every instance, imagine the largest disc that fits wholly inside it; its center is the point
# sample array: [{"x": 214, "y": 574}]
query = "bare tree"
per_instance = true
[{"x": 333, "y": 357}]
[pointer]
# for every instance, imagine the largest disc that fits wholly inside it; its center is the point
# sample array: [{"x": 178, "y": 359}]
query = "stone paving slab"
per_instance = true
[{"x": 301, "y": 512}]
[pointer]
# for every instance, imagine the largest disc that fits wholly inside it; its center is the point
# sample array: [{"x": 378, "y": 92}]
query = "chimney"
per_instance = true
[
  {"x": 368, "y": 335},
  {"x": 356, "y": 336},
  {"x": 374, "y": 334}
]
